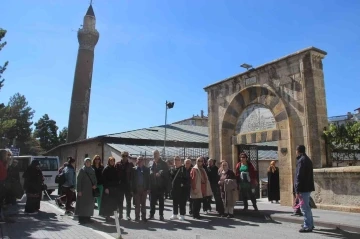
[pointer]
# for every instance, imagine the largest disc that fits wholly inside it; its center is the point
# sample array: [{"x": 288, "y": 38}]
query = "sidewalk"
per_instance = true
[
  {"x": 323, "y": 218},
  {"x": 50, "y": 223}
]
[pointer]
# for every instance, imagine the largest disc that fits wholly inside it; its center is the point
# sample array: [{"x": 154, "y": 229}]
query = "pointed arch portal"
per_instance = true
[{"x": 281, "y": 101}]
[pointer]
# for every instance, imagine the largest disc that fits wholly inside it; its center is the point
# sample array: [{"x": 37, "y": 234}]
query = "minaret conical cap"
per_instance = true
[{"x": 90, "y": 11}]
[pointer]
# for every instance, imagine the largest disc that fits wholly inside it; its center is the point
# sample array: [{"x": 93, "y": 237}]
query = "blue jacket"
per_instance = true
[
  {"x": 70, "y": 177},
  {"x": 304, "y": 176}
]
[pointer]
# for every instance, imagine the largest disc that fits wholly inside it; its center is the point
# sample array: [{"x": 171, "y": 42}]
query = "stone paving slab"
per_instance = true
[{"x": 49, "y": 223}]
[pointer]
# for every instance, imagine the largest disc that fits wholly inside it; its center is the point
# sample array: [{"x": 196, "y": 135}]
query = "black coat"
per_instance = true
[
  {"x": 124, "y": 170},
  {"x": 304, "y": 176},
  {"x": 110, "y": 182},
  {"x": 179, "y": 181},
  {"x": 134, "y": 178},
  {"x": 213, "y": 174},
  {"x": 159, "y": 184},
  {"x": 110, "y": 177},
  {"x": 99, "y": 174},
  {"x": 273, "y": 185},
  {"x": 33, "y": 180}
]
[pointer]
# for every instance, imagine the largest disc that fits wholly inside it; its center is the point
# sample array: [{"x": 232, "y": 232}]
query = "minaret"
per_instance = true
[{"x": 88, "y": 36}]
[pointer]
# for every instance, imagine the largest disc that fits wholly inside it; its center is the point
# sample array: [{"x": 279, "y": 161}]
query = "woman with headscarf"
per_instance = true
[
  {"x": 273, "y": 183},
  {"x": 33, "y": 181},
  {"x": 86, "y": 183}
]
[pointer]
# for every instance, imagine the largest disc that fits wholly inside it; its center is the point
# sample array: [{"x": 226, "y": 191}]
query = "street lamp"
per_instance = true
[
  {"x": 246, "y": 66},
  {"x": 168, "y": 105}
]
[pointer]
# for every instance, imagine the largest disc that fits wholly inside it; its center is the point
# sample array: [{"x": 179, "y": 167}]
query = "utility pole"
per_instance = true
[{"x": 168, "y": 105}]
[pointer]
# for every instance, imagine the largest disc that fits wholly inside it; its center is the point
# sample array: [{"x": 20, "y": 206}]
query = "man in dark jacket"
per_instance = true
[
  {"x": 124, "y": 170},
  {"x": 140, "y": 185},
  {"x": 159, "y": 176},
  {"x": 304, "y": 185},
  {"x": 213, "y": 175}
]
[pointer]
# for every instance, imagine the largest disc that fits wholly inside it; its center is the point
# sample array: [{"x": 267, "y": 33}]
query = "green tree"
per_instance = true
[
  {"x": 343, "y": 140},
  {"x": 3, "y": 67},
  {"x": 46, "y": 132},
  {"x": 20, "y": 110},
  {"x": 6, "y": 122},
  {"x": 63, "y": 135},
  {"x": 33, "y": 146}
]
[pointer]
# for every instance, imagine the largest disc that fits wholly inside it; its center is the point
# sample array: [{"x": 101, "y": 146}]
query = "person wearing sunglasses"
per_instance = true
[
  {"x": 124, "y": 169},
  {"x": 200, "y": 186},
  {"x": 246, "y": 178}
]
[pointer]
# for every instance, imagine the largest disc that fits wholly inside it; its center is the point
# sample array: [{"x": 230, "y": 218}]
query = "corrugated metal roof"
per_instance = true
[
  {"x": 338, "y": 118},
  {"x": 177, "y": 132},
  {"x": 172, "y": 151},
  {"x": 174, "y": 132}
]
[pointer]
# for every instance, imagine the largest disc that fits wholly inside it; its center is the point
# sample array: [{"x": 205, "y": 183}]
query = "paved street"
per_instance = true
[
  {"x": 51, "y": 223},
  {"x": 212, "y": 227}
]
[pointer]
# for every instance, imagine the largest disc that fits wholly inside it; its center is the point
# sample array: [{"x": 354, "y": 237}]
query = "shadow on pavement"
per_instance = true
[
  {"x": 27, "y": 224},
  {"x": 337, "y": 233},
  {"x": 209, "y": 222}
]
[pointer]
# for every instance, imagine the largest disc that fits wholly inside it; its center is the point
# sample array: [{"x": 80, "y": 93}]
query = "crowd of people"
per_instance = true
[
  {"x": 123, "y": 181},
  {"x": 197, "y": 184}
]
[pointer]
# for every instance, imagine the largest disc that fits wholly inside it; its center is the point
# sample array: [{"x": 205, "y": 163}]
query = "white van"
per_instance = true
[{"x": 49, "y": 166}]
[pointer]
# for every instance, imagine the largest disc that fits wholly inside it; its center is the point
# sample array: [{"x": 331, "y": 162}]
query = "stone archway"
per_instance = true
[
  {"x": 230, "y": 139},
  {"x": 292, "y": 88}
]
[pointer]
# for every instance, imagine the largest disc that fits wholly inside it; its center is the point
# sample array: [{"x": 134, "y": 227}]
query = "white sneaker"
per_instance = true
[
  {"x": 173, "y": 217},
  {"x": 181, "y": 218}
]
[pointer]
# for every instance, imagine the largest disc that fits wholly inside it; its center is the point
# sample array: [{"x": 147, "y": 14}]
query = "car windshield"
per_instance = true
[{"x": 48, "y": 164}]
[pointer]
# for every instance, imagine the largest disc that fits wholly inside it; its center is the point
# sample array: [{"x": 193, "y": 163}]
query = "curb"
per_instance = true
[{"x": 340, "y": 226}]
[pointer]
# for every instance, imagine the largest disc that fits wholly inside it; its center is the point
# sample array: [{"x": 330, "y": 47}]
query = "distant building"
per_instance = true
[
  {"x": 343, "y": 119},
  {"x": 357, "y": 114},
  {"x": 181, "y": 140},
  {"x": 196, "y": 120}
]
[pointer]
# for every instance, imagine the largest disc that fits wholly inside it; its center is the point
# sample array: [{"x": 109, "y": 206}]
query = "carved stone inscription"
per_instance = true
[{"x": 255, "y": 118}]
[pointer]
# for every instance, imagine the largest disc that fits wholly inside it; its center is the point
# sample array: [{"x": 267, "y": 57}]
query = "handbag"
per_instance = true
[{"x": 96, "y": 191}]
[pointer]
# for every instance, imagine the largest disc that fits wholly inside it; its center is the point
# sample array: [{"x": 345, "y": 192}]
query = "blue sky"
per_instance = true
[{"x": 151, "y": 51}]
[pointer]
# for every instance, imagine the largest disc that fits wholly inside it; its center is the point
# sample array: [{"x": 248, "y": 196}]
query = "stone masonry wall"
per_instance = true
[{"x": 337, "y": 188}]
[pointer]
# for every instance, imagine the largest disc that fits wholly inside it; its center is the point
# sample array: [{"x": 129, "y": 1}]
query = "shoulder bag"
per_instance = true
[
  {"x": 172, "y": 183},
  {"x": 96, "y": 191}
]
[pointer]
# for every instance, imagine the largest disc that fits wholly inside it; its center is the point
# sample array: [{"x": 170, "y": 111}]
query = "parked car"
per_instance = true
[{"x": 49, "y": 166}]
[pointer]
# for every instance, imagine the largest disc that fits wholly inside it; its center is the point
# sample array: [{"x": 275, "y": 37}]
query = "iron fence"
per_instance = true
[{"x": 171, "y": 152}]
